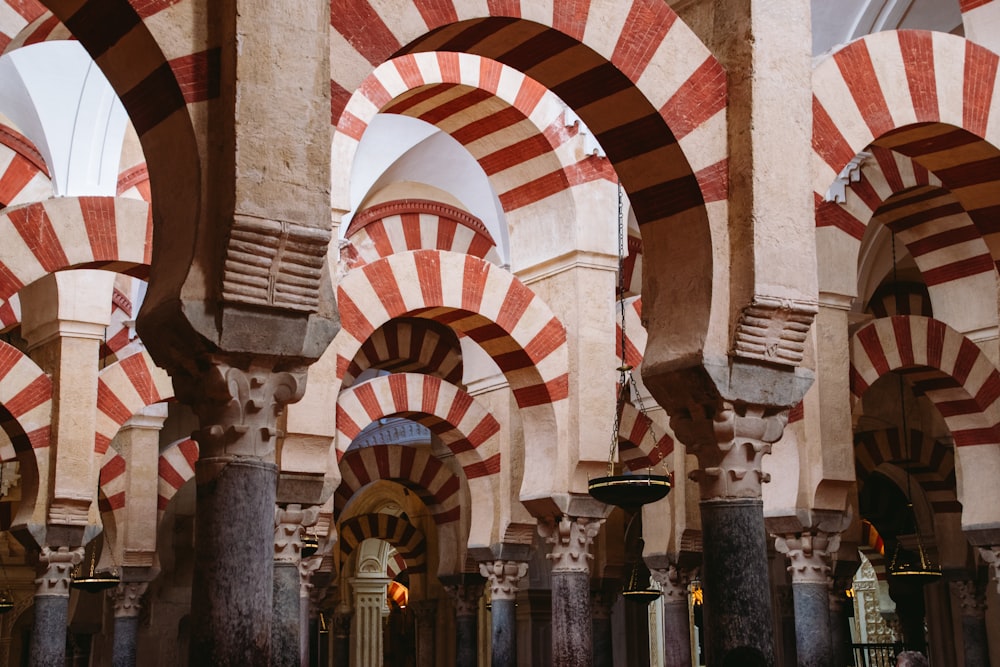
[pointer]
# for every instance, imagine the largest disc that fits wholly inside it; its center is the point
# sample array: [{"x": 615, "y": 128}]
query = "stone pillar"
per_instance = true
[
  {"x": 127, "y": 601},
  {"x": 972, "y": 601},
  {"x": 676, "y": 619},
  {"x": 366, "y": 630},
  {"x": 737, "y": 589},
  {"x": 809, "y": 555},
  {"x": 48, "y": 636},
  {"x": 340, "y": 629},
  {"x": 571, "y": 537},
  {"x": 840, "y": 623},
  {"x": 425, "y": 626},
  {"x": 286, "y": 628},
  {"x": 503, "y": 577},
  {"x": 465, "y": 598},
  {"x": 308, "y": 612},
  {"x": 238, "y": 404},
  {"x": 600, "y": 614}
]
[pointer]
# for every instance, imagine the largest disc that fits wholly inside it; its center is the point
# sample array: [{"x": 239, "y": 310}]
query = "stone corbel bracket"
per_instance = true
[{"x": 774, "y": 330}]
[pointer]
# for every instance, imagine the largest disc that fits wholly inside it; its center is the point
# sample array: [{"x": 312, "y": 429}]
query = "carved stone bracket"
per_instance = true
[
  {"x": 58, "y": 563},
  {"x": 971, "y": 598},
  {"x": 503, "y": 577},
  {"x": 308, "y": 567},
  {"x": 274, "y": 263},
  {"x": 673, "y": 582},
  {"x": 991, "y": 555},
  {"x": 127, "y": 598},
  {"x": 774, "y": 330},
  {"x": 809, "y": 555},
  {"x": 570, "y": 538},
  {"x": 238, "y": 404},
  {"x": 731, "y": 467},
  {"x": 288, "y": 526},
  {"x": 465, "y": 597}
]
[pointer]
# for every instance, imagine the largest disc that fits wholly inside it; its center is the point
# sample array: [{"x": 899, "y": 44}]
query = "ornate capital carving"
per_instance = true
[
  {"x": 127, "y": 598},
  {"x": 274, "y": 263},
  {"x": 570, "y": 538},
  {"x": 971, "y": 598},
  {"x": 731, "y": 467},
  {"x": 503, "y": 577},
  {"x": 465, "y": 597},
  {"x": 307, "y": 568},
  {"x": 773, "y": 329},
  {"x": 991, "y": 555},
  {"x": 809, "y": 555},
  {"x": 58, "y": 563},
  {"x": 288, "y": 526},
  {"x": 239, "y": 405},
  {"x": 673, "y": 582}
]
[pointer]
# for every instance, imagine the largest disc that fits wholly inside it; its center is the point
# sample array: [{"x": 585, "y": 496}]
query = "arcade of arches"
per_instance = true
[{"x": 312, "y": 315}]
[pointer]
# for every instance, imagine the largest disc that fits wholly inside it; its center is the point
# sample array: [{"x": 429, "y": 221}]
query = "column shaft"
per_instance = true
[
  {"x": 124, "y": 646},
  {"x": 676, "y": 634},
  {"x": 572, "y": 642},
  {"x": 812, "y": 624},
  {"x": 231, "y": 600},
  {"x": 467, "y": 641},
  {"x": 287, "y": 620},
  {"x": 739, "y": 629},
  {"x": 504, "y": 628},
  {"x": 366, "y": 633},
  {"x": 601, "y": 637},
  {"x": 425, "y": 624},
  {"x": 48, "y": 635}
]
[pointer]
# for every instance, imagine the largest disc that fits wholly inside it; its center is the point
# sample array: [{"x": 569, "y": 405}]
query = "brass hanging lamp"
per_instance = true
[
  {"x": 637, "y": 588},
  {"x": 310, "y": 545},
  {"x": 629, "y": 490},
  {"x": 914, "y": 565},
  {"x": 91, "y": 579}
]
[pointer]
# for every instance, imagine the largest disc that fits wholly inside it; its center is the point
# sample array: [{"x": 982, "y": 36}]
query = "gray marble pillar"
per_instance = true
[
  {"x": 600, "y": 613},
  {"x": 465, "y": 598},
  {"x": 287, "y": 633},
  {"x": 840, "y": 624},
  {"x": 572, "y": 632},
  {"x": 425, "y": 626},
  {"x": 340, "y": 629},
  {"x": 972, "y": 602},
  {"x": 48, "y": 635},
  {"x": 503, "y": 577},
  {"x": 676, "y": 619},
  {"x": 126, "y": 599},
  {"x": 809, "y": 559}
]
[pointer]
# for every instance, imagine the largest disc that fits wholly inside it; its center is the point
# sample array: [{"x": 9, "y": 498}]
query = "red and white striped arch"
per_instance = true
[
  {"x": 416, "y": 224},
  {"x": 961, "y": 382},
  {"x": 635, "y": 332},
  {"x": 123, "y": 389},
  {"x": 931, "y": 463},
  {"x": 900, "y": 298},
  {"x": 946, "y": 82},
  {"x": 417, "y": 469},
  {"x": 24, "y": 176},
  {"x": 637, "y": 75},
  {"x": 461, "y": 422},
  {"x": 26, "y": 401},
  {"x": 45, "y": 28},
  {"x": 410, "y": 346},
  {"x": 113, "y": 485},
  {"x": 407, "y": 539},
  {"x": 15, "y": 17},
  {"x": 133, "y": 183},
  {"x": 176, "y": 466},
  {"x": 73, "y": 232},
  {"x": 638, "y": 448}
]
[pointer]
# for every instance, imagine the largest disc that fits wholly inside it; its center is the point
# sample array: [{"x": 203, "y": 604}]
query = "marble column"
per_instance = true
[
  {"x": 735, "y": 580},
  {"x": 572, "y": 638},
  {"x": 465, "y": 598},
  {"x": 972, "y": 602},
  {"x": 286, "y": 629},
  {"x": 366, "y": 630},
  {"x": 308, "y": 612},
  {"x": 600, "y": 614},
  {"x": 425, "y": 626},
  {"x": 809, "y": 556},
  {"x": 236, "y": 475},
  {"x": 676, "y": 619},
  {"x": 340, "y": 629},
  {"x": 503, "y": 577},
  {"x": 126, "y": 598},
  {"x": 48, "y": 635}
]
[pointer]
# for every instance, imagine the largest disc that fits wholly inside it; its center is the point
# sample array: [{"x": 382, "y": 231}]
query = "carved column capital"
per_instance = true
[
  {"x": 58, "y": 562},
  {"x": 289, "y": 522},
  {"x": 971, "y": 598},
  {"x": 238, "y": 403},
  {"x": 673, "y": 582},
  {"x": 730, "y": 467},
  {"x": 809, "y": 555},
  {"x": 570, "y": 538},
  {"x": 465, "y": 597},
  {"x": 127, "y": 598},
  {"x": 503, "y": 577},
  {"x": 991, "y": 555}
]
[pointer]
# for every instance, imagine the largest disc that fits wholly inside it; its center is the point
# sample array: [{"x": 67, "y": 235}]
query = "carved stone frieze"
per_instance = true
[
  {"x": 673, "y": 582},
  {"x": 971, "y": 598},
  {"x": 465, "y": 597},
  {"x": 570, "y": 538},
  {"x": 809, "y": 555},
  {"x": 238, "y": 405},
  {"x": 773, "y": 329},
  {"x": 58, "y": 563},
  {"x": 503, "y": 577},
  {"x": 127, "y": 598},
  {"x": 731, "y": 467},
  {"x": 289, "y": 524},
  {"x": 274, "y": 263}
]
